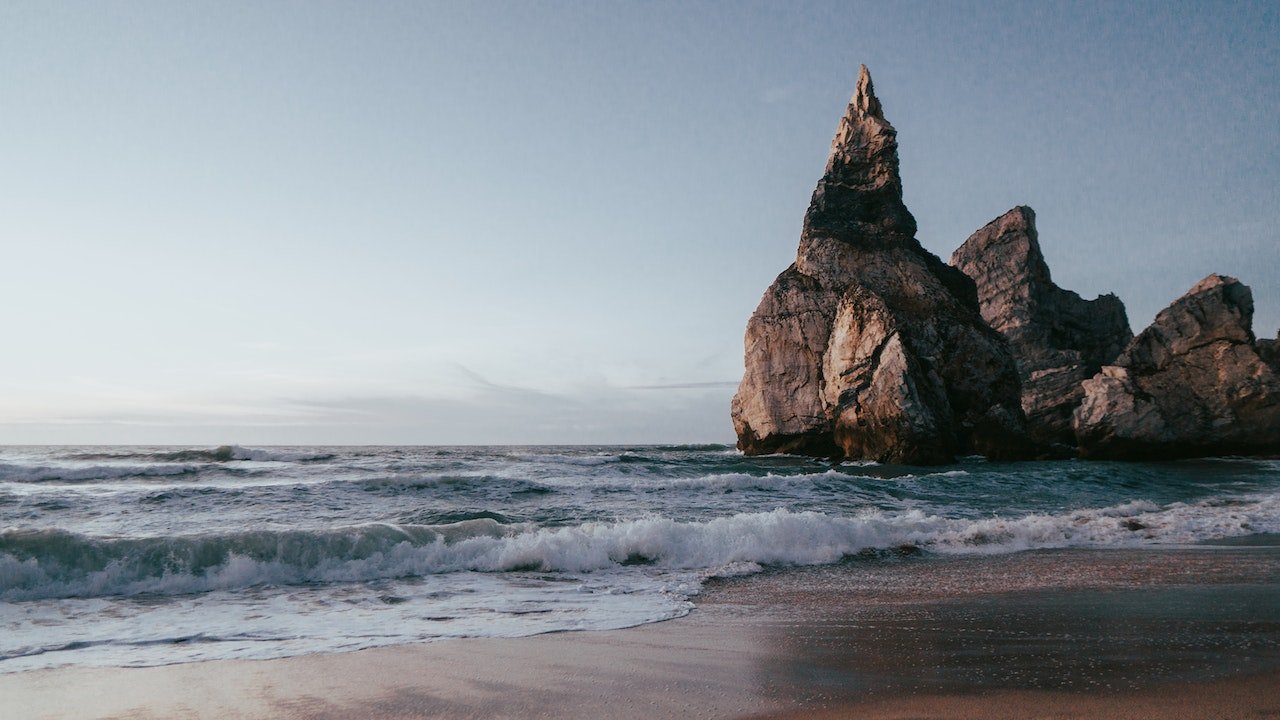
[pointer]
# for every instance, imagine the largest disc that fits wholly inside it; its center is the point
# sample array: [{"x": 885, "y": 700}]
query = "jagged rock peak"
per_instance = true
[
  {"x": 1240, "y": 294},
  {"x": 864, "y": 106},
  {"x": 1018, "y": 297},
  {"x": 861, "y": 191},
  {"x": 1058, "y": 338},
  {"x": 869, "y": 346},
  {"x": 1018, "y": 226},
  {"x": 1219, "y": 308},
  {"x": 1193, "y": 383},
  {"x": 862, "y": 126},
  {"x": 864, "y": 98}
]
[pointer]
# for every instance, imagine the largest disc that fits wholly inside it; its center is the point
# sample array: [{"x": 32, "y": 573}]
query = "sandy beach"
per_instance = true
[{"x": 1188, "y": 633}]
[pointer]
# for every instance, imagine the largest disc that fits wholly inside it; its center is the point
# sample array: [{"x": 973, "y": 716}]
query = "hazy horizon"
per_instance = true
[{"x": 439, "y": 224}]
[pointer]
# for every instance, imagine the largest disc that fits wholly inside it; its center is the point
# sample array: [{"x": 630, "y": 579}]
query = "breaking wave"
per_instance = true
[
  {"x": 56, "y": 563},
  {"x": 771, "y": 481},
  {"x": 262, "y": 455}
]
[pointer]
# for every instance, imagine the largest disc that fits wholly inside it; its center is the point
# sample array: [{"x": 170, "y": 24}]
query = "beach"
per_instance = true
[
  {"x": 560, "y": 360},
  {"x": 1186, "y": 632}
]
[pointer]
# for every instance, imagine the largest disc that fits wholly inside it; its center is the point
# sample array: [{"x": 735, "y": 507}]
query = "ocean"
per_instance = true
[{"x": 135, "y": 556}]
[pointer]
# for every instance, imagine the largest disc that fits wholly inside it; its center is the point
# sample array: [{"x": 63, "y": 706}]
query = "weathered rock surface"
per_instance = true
[
  {"x": 869, "y": 346},
  {"x": 1269, "y": 350},
  {"x": 1058, "y": 339},
  {"x": 1191, "y": 384}
]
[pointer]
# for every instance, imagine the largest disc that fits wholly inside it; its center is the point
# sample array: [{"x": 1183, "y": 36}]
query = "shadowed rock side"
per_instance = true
[
  {"x": 1269, "y": 351},
  {"x": 1192, "y": 384},
  {"x": 1058, "y": 339},
  {"x": 869, "y": 346}
]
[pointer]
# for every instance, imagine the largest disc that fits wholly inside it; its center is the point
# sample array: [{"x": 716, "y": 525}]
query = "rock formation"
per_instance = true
[
  {"x": 1058, "y": 339},
  {"x": 1269, "y": 350},
  {"x": 1192, "y": 384},
  {"x": 869, "y": 346}
]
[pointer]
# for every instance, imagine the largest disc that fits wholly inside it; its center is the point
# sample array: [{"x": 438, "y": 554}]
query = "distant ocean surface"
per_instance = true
[{"x": 146, "y": 555}]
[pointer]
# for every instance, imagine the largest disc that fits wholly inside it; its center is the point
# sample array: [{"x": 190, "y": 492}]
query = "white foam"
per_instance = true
[
  {"x": 779, "y": 537},
  {"x": 262, "y": 455},
  {"x": 262, "y": 623},
  {"x": 771, "y": 481},
  {"x": 740, "y": 481},
  {"x": 562, "y": 459},
  {"x": 277, "y": 593}
]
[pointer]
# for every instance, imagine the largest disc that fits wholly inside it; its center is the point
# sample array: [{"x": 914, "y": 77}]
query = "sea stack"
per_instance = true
[
  {"x": 869, "y": 346},
  {"x": 1194, "y": 383},
  {"x": 1058, "y": 339}
]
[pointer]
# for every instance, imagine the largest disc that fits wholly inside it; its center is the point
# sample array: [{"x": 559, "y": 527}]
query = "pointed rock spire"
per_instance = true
[
  {"x": 860, "y": 193},
  {"x": 869, "y": 346},
  {"x": 864, "y": 98},
  {"x": 863, "y": 125}
]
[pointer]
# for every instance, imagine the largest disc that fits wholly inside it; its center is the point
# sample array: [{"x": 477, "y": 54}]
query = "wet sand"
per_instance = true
[
  {"x": 1248, "y": 697},
  {"x": 1188, "y": 633}
]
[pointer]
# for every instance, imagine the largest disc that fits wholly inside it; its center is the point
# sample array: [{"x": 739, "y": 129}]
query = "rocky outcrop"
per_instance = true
[
  {"x": 1191, "y": 384},
  {"x": 1058, "y": 339},
  {"x": 869, "y": 346},
  {"x": 1269, "y": 351}
]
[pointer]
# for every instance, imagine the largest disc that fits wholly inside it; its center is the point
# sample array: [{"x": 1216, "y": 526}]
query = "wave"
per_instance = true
[
  {"x": 50, "y": 473},
  {"x": 52, "y": 563},
  {"x": 452, "y": 482},
  {"x": 771, "y": 481},
  {"x": 56, "y": 563},
  {"x": 261, "y": 455},
  {"x": 428, "y": 517},
  {"x": 220, "y": 454},
  {"x": 719, "y": 448},
  {"x": 118, "y": 465},
  {"x": 562, "y": 459}
]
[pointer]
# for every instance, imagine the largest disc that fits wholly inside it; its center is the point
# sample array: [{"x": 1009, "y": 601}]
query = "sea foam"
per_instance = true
[
  {"x": 55, "y": 563},
  {"x": 145, "y": 555}
]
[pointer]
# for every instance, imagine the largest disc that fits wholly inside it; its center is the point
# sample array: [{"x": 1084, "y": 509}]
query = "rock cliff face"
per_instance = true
[
  {"x": 1192, "y": 384},
  {"x": 1058, "y": 339},
  {"x": 869, "y": 346}
]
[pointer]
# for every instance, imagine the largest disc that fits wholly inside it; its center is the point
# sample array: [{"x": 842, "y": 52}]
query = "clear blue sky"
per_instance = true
[{"x": 548, "y": 222}]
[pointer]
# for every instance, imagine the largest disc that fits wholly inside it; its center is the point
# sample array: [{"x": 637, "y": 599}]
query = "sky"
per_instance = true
[{"x": 548, "y": 222}]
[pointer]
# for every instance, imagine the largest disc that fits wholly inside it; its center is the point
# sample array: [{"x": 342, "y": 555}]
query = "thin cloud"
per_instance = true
[
  {"x": 487, "y": 385},
  {"x": 686, "y": 386}
]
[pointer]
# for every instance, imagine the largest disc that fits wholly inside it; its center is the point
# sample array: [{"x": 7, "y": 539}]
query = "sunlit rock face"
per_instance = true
[
  {"x": 1058, "y": 338},
  {"x": 869, "y": 346},
  {"x": 1194, "y": 383}
]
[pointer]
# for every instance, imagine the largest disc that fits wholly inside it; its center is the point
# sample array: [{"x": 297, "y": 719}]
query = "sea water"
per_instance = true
[{"x": 151, "y": 555}]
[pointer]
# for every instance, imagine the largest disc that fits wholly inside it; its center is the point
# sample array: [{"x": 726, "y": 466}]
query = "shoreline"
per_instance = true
[{"x": 1171, "y": 633}]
